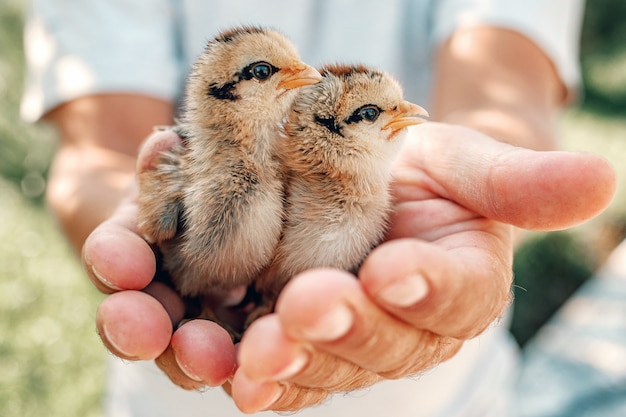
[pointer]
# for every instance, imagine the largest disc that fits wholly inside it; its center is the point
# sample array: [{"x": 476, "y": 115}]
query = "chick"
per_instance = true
[
  {"x": 214, "y": 205},
  {"x": 340, "y": 140}
]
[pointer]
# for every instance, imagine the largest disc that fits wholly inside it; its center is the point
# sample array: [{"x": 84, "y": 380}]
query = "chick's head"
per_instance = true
[
  {"x": 352, "y": 120},
  {"x": 246, "y": 74}
]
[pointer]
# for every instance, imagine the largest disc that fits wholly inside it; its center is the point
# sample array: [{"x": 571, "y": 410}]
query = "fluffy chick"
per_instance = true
[
  {"x": 340, "y": 140},
  {"x": 214, "y": 205}
]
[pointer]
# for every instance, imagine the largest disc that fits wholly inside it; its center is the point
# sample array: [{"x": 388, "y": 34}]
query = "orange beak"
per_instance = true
[
  {"x": 408, "y": 114},
  {"x": 299, "y": 76}
]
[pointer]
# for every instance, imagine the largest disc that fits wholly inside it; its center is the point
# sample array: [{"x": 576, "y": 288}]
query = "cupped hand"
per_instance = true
[
  {"x": 443, "y": 275},
  {"x": 137, "y": 321}
]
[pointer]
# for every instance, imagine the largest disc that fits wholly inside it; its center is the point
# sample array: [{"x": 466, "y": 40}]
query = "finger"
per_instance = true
[
  {"x": 115, "y": 257},
  {"x": 201, "y": 353},
  {"x": 170, "y": 367},
  {"x": 329, "y": 310},
  {"x": 133, "y": 325},
  {"x": 266, "y": 354},
  {"x": 532, "y": 190},
  {"x": 251, "y": 396},
  {"x": 457, "y": 291},
  {"x": 159, "y": 141},
  {"x": 169, "y": 299}
]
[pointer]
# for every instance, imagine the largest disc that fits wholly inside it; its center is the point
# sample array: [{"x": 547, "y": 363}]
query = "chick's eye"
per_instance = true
[
  {"x": 262, "y": 71},
  {"x": 369, "y": 113}
]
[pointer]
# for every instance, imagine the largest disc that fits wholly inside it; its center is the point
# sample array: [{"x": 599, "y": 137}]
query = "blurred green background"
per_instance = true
[{"x": 51, "y": 359}]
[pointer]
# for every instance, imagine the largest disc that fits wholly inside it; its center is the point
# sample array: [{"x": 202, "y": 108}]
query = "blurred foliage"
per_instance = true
[
  {"x": 603, "y": 56},
  {"x": 51, "y": 359},
  {"x": 537, "y": 293},
  {"x": 26, "y": 149}
]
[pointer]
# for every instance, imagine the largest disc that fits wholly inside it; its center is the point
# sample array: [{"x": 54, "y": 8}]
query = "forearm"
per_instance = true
[
  {"x": 498, "y": 82},
  {"x": 95, "y": 163}
]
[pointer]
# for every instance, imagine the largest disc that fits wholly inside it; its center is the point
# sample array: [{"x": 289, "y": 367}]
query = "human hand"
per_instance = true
[
  {"x": 454, "y": 178},
  {"x": 442, "y": 277},
  {"x": 136, "y": 321}
]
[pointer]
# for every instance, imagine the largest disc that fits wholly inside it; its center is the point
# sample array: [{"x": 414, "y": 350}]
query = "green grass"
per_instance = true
[
  {"x": 51, "y": 359},
  {"x": 26, "y": 149}
]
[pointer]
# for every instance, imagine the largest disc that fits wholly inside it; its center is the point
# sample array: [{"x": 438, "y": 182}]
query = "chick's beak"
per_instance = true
[
  {"x": 407, "y": 114},
  {"x": 299, "y": 76}
]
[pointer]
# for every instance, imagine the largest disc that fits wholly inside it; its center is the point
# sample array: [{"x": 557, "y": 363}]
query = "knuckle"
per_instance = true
[
  {"x": 296, "y": 397},
  {"x": 433, "y": 350},
  {"x": 334, "y": 374}
]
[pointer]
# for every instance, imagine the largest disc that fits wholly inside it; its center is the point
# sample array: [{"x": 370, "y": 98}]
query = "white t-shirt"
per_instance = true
[{"x": 146, "y": 47}]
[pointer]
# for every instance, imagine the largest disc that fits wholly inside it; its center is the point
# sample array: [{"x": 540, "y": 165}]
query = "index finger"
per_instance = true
[{"x": 457, "y": 291}]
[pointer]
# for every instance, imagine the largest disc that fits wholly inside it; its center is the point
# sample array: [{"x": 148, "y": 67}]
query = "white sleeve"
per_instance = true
[
  {"x": 553, "y": 25},
  {"x": 81, "y": 47}
]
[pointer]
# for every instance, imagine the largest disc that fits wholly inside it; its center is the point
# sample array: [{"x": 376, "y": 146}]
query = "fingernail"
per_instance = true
[
  {"x": 278, "y": 392},
  {"x": 332, "y": 325},
  {"x": 187, "y": 372},
  {"x": 256, "y": 396},
  {"x": 405, "y": 292},
  {"x": 113, "y": 346},
  {"x": 102, "y": 279},
  {"x": 296, "y": 365}
]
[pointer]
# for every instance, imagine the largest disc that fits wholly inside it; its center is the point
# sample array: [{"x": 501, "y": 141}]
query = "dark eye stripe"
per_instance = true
[
  {"x": 227, "y": 91},
  {"x": 329, "y": 123},
  {"x": 223, "y": 92}
]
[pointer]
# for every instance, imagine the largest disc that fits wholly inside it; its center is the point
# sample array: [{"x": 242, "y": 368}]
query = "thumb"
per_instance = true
[
  {"x": 159, "y": 141},
  {"x": 525, "y": 188}
]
